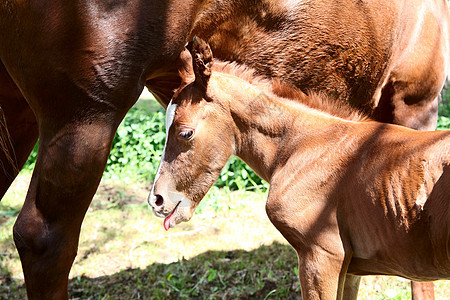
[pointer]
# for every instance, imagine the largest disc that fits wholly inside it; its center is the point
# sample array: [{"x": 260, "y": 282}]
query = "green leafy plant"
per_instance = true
[
  {"x": 444, "y": 112},
  {"x": 137, "y": 146}
]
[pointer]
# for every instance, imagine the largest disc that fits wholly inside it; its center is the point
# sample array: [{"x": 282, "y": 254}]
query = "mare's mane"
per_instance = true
[{"x": 282, "y": 89}]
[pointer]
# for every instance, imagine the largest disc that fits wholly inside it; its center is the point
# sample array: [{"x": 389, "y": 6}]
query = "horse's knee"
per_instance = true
[
  {"x": 34, "y": 237},
  {"x": 47, "y": 253},
  {"x": 29, "y": 234}
]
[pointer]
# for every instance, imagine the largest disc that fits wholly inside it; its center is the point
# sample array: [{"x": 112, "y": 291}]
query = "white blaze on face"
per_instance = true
[
  {"x": 170, "y": 115},
  {"x": 178, "y": 203}
]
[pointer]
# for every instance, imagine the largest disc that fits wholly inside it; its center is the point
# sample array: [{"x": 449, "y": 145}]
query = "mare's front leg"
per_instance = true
[{"x": 71, "y": 159}]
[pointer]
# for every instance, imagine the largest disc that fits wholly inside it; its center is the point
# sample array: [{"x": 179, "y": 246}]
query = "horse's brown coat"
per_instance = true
[
  {"x": 352, "y": 197},
  {"x": 70, "y": 70}
]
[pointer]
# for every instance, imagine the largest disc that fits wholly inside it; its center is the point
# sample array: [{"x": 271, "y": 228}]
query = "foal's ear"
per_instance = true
[
  {"x": 202, "y": 59},
  {"x": 185, "y": 68}
]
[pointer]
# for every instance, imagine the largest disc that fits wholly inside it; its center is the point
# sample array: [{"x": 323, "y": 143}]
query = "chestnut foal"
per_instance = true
[{"x": 351, "y": 195}]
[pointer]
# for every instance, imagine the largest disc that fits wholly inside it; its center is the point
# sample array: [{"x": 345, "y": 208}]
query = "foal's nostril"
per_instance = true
[{"x": 159, "y": 200}]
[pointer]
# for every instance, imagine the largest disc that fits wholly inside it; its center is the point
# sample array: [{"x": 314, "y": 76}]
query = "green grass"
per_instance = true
[{"x": 229, "y": 250}]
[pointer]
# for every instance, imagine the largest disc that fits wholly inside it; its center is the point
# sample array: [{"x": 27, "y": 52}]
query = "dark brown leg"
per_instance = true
[
  {"x": 18, "y": 130},
  {"x": 401, "y": 104},
  {"x": 69, "y": 166}
]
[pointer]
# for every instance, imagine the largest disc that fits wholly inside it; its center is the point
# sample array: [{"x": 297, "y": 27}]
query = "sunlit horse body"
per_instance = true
[
  {"x": 351, "y": 195},
  {"x": 70, "y": 70}
]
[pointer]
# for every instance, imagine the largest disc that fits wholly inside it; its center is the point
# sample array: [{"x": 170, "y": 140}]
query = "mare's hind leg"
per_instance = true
[
  {"x": 398, "y": 105},
  {"x": 422, "y": 290},
  {"x": 18, "y": 130},
  {"x": 409, "y": 95},
  {"x": 351, "y": 287}
]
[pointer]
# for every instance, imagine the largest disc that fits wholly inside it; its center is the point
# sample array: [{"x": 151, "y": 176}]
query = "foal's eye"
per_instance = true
[{"x": 187, "y": 134}]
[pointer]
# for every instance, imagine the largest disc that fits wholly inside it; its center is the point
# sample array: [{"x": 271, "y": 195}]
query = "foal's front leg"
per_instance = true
[
  {"x": 313, "y": 230},
  {"x": 351, "y": 287},
  {"x": 322, "y": 274}
]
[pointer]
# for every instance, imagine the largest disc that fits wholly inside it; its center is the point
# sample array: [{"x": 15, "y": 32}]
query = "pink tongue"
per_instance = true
[{"x": 167, "y": 221}]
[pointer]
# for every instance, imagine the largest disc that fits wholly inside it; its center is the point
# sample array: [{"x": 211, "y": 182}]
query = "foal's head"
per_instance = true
[{"x": 199, "y": 140}]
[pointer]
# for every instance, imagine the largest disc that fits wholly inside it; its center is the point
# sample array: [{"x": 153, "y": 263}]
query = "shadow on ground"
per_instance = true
[{"x": 268, "y": 272}]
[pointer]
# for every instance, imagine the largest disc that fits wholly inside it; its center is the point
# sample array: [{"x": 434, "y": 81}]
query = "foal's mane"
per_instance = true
[{"x": 282, "y": 89}]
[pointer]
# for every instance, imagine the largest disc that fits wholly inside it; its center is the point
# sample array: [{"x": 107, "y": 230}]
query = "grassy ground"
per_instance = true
[{"x": 229, "y": 250}]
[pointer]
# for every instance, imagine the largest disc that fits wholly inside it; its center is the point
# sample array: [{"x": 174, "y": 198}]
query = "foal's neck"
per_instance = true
[{"x": 269, "y": 128}]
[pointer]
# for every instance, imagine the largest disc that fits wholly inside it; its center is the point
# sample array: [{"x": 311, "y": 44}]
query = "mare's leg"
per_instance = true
[
  {"x": 71, "y": 159},
  {"x": 409, "y": 95},
  {"x": 351, "y": 287},
  {"x": 81, "y": 65},
  {"x": 422, "y": 290},
  {"x": 405, "y": 106},
  {"x": 76, "y": 129},
  {"x": 18, "y": 130}
]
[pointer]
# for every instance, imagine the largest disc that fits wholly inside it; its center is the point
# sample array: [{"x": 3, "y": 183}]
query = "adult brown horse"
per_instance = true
[
  {"x": 352, "y": 196},
  {"x": 70, "y": 70}
]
